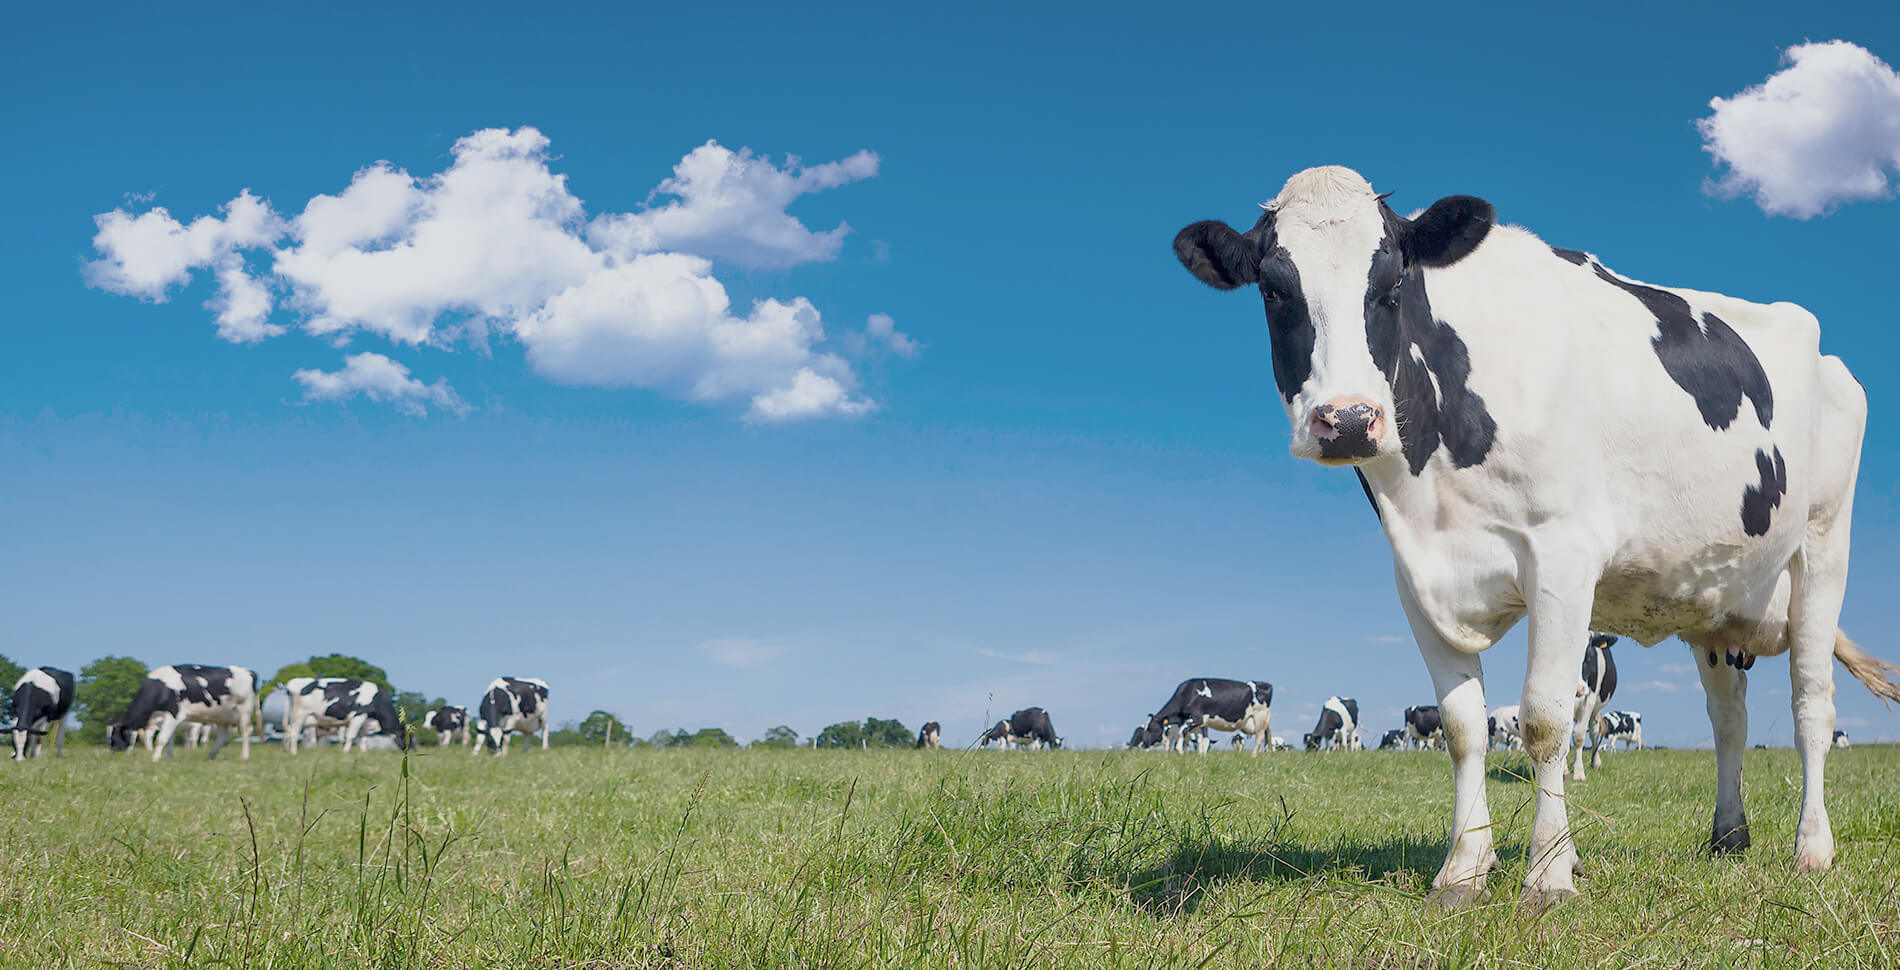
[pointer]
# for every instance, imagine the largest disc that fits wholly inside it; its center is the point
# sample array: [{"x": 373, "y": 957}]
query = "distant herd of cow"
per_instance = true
[{"x": 225, "y": 700}]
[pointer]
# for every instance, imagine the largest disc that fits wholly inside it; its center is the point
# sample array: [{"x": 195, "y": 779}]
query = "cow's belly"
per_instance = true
[
  {"x": 208, "y": 715},
  {"x": 1253, "y": 721}
]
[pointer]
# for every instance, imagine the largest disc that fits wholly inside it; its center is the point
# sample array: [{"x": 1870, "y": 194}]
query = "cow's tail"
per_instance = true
[{"x": 1877, "y": 674}]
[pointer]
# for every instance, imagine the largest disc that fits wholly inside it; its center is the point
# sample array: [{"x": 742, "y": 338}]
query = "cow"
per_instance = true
[
  {"x": 339, "y": 702},
  {"x": 450, "y": 724},
  {"x": 512, "y": 705},
  {"x": 1840, "y": 740},
  {"x": 1205, "y": 703},
  {"x": 1148, "y": 735},
  {"x": 1393, "y": 740},
  {"x": 1338, "y": 726},
  {"x": 1466, "y": 371},
  {"x": 174, "y": 695},
  {"x": 1613, "y": 726},
  {"x": 1598, "y": 683},
  {"x": 931, "y": 736},
  {"x": 41, "y": 698},
  {"x": 1504, "y": 731},
  {"x": 1029, "y": 727},
  {"x": 1423, "y": 727}
]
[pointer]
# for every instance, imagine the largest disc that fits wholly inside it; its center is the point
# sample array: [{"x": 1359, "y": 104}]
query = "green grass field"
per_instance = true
[{"x": 584, "y": 858}]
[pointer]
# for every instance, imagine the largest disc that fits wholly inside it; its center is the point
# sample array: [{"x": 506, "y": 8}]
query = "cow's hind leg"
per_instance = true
[
  {"x": 1458, "y": 680},
  {"x": 1726, "y": 689},
  {"x": 1813, "y": 614}
]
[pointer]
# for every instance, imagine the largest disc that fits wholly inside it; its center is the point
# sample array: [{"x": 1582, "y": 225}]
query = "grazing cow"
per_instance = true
[
  {"x": 1149, "y": 734},
  {"x": 1393, "y": 740},
  {"x": 41, "y": 698},
  {"x": 1613, "y": 726},
  {"x": 170, "y": 697},
  {"x": 450, "y": 725},
  {"x": 1505, "y": 731},
  {"x": 339, "y": 702},
  {"x": 1468, "y": 371},
  {"x": 1593, "y": 691},
  {"x": 1029, "y": 727},
  {"x": 1423, "y": 728},
  {"x": 1207, "y": 703},
  {"x": 1840, "y": 740},
  {"x": 1338, "y": 726},
  {"x": 513, "y": 705},
  {"x": 931, "y": 736}
]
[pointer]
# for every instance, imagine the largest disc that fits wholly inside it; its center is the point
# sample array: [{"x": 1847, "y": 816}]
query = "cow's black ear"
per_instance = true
[
  {"x": 1449, "y": 230},
  {"x": 1217, "y": 255}
]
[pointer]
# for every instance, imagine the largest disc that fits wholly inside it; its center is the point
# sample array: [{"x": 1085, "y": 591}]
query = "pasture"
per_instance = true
[{"x": 695, "y": 858}]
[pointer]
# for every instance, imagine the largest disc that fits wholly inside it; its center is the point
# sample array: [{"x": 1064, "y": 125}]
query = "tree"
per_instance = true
[
  {"x": 778, "y": 737},
  {"x": 10, "y": 674},
  {"x": 565, "y": 736},
  {"x": 334, "y": 665},
  {"x": 104, "y": 691},
  {"x": 873, "y": 732},
  {"x": 661, "y": 739},
  {"x": 601, "y": 727},
  {"x": 712, "y": 738}
]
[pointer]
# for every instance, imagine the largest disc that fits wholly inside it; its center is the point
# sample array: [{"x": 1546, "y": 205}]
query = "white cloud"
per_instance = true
[
  {"x": 1676, "y": 668},
  {"x": 731, "y": 206},
  {"x": 1822, "y": 131},
  {"x": 739, "y": 652},
  {"x": 379, "y": 379},
  {"x": 881, "y": 327},
  {"x": 495, "y": 244},
  {"x": 1388, "y": 638},
  {"x": 1660, "y": 686}
]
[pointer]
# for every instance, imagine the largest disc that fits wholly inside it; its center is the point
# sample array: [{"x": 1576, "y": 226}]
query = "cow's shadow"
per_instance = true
[{"x": 1179, "y": 884}]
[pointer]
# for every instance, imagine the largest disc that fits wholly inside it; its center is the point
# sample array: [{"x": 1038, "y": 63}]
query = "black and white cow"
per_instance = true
[
  {"x": 172, "y": 696},
  {"x": 1840, "y": 740},
  {"x": 1423, "y": 729},
  {"x": 450, "y": 725},
  {"x": 1393, "y": 740},
  {"x": 1148, "y": 735},
  {"x": 1594, "y": 690},
  {"x": 1612, "y": 726},
  {"x": 1468, "y": 371},
  {"x": 1338, "y": 726},
  {"x": 1504, "y": 731},
  {"x": 1029, "y": 727},
  {"x": 41, "y": 698},
  {"x": 1210, "y": 703},
  {"x": 930, "y": 736},
  {"x": 357, "y": 708},
  {"x": 512, "y": 705}
]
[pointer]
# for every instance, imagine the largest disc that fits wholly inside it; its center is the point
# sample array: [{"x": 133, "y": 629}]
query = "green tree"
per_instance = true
[
  {"x": 568, "y": 735},
  {"x": 712, "y": 738},
  {"x": 872, "y": 732},
  {"x": 600, "y": 727},
  {"x": 661, "y": 739},
  {"x": 104, "y": 691},
  {"x": 10, "y": 674},
  {"x": 333, "y": 665},
  {"x": 844, "y": 734},
  {"x": 778, "y": 737}
]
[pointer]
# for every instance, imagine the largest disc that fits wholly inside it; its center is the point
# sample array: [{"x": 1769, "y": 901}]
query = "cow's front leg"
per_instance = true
[
  {"x": 162, "y": 738},
  {"x": 1559, "y": 630},
  {"x": 1458, "y": 679},
  {"x": 1726, "y": 691}
]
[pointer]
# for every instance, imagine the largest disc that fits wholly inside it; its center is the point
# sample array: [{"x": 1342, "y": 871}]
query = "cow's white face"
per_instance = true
[{"x": 1357, "y": 355}]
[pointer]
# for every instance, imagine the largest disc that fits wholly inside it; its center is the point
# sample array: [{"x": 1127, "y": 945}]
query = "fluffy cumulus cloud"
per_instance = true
[
  {"x": 1822, "y": 131},
  {"x": 496, "y": 244},
  {"x": 379, "y": 379}
]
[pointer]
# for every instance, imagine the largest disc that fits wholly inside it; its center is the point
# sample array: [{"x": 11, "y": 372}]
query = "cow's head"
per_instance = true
[
  {"x": 118, "y": 737},
  {"x": 1357, "y": 354},
  {"x": 1312, "y": 742}
]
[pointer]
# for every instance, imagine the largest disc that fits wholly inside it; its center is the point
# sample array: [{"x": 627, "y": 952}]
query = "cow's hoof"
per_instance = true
[
  {"x": 1809, "y": 861},
  {"x": 1576, "y": 868},
  {"x": 1459, "y": 894},
  {"x": 1545, "y": 899},
  {"x": 1731, "y": 842}
]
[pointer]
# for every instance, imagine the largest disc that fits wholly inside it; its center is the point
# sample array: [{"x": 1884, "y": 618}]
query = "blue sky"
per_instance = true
[{"x": 1056, "y": 477}]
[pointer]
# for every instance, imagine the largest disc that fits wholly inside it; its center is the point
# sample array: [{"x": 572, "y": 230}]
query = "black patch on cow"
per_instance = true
[
  {"x": 1571, "y": 255},
  {"x": 1448, "y": 231},
  {"x": 1760, "y": 501},
  {"x": 1709, "y": 361},
  {"x": 1219, "y": 256},
  {"x": 1366, "y": 487},
  {"x": 204, "y": 685},
  {"x": 1398, "y": 319},
  {"x": 528, "y": 696}
]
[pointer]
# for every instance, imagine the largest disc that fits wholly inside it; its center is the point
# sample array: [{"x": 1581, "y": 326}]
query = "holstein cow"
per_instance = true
[
  {"x": 1148, "y": 735},
  {"x": 1209, "y": 703},
  {"x": 931, "y": 736},
  {"x": 1338, "y": 726},
  {"x": 450, "y": 725},
  {"x": 1468, "y": 371},
  {"x": 171, "y": 696},
  {"x": 1612, "y": 726},
  {"x": 1840, "y": 740},
  {"x": 356, "y": 707},
  {"x": 1598, "y": 683},
  {"x": 1505, "y": 731},
  {"x": 1393, "y": 740},
  {"x": 1423, "y": 727},
  {"x": 41, "y": 698},
  {"x": 513, "y": 704},
  {"x": 1029, "y": 727}
]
